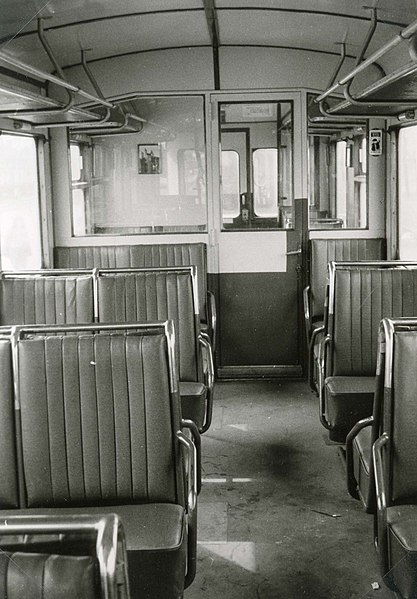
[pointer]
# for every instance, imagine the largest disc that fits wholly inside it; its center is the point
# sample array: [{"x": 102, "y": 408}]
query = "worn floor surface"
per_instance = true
[{"x": 275, "y": 519}]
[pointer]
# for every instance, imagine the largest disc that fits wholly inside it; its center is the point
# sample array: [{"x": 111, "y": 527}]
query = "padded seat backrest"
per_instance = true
[
  {"x": 362, "y": 297},
  {"x": 401, "y": 416},
  {"x": 139, "y": 256},
  {"x": 47, "y": 576},
  {"x": 8, "y": 462},
  {"x": 154, "y": 295},
  {"x": 338, "y": 250},
  {"x": 46, "y": 299},
  {"x": 98, "y": 420}
]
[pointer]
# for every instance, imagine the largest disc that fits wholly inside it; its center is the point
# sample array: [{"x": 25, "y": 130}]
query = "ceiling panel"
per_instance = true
[
  {"x": 61, "y": 12},
  {"x": 114, "y": 37},
  {"x": 401, "y": 11},
  {"x": 283, "y": 29}
]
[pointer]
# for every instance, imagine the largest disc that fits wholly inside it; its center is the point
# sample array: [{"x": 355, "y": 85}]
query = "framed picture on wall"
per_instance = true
[{"x": 149, "y": 159}]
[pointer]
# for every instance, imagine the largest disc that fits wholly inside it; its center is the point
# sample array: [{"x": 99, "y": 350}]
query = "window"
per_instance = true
[
  {"x": 230, "y": 183},
  {"x": 80, "y": 188},
  {"x": 337, "y": 185},
  {"x": 407, "y": 185},
  {"x": 265, "y": 182},
  {"x": 256, "y": 165},
  {"x": 114, "y": 191},
  {"x": 20, "y": 234}
]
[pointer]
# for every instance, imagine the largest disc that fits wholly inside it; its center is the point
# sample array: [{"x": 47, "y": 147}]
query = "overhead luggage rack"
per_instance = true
[
  {"x": 393, "y": 94},
  {"x": 24, "y": 104}
]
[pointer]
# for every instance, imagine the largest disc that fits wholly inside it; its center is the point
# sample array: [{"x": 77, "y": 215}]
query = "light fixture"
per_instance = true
[{"x": 408, "y": 115}]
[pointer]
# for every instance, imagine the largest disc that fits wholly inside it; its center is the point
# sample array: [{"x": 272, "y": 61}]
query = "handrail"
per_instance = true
[
  {"x": 397, "y": 39},
  {"x": 30, "y": 70}
]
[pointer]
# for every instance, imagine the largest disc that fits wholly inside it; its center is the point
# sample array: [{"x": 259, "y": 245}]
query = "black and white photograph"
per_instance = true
[
  {"x": 149, "y": 157},
  {"x": 208, "y": 299}
]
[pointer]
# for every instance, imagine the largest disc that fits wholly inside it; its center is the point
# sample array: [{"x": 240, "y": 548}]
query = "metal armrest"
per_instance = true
[
  {"x": 322, "y": 364},
  {"x": 208, "y": 381},
  {"x": 307, "y": 315},
  {"x": 195, "y": 433},
  {"x": 212, "y": 317},
  {"x": 381, "y": 501},
  {"x": 352, "y": 483},
  {"x": 191, "y": 466},
  {"x": 311, "y": 356},
  {"x": 110, "y": 543}
]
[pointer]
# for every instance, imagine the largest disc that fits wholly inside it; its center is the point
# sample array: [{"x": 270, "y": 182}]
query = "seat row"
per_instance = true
[
  {"x": 91, "y": 422},
  {"x": 381, "y": 456},
  {"x": 122, "y": 295},
  {"x": 148, "y": 256},
  {"x": 365, "y": 353}
]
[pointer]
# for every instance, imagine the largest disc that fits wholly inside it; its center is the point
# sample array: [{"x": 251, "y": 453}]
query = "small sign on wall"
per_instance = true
[{"x": 375, "y": 142}]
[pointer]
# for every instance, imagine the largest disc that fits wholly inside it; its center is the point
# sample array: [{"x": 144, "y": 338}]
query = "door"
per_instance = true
[{"x": 261, "y": 232}]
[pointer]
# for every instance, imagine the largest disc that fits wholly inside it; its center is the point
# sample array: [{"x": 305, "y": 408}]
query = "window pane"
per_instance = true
[
  {"x": 148, "y": 182},
  {"x": 265, "y": 182},
  {"x": 407, "y": 185},
  {"x": 337, "y": 182},
  {"x": 19, "y": 204},
  {"x": 230, "y": 183},
  {"x": 256, "y": 162},
  {"x": 76, "y": 162}
]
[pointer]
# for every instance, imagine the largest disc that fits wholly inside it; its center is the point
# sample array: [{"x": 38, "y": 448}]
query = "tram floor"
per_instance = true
[{"x": 275, "y": 518}]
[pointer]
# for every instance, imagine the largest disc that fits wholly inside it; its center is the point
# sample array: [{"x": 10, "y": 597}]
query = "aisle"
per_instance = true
[{"x": 275, "y": 519}]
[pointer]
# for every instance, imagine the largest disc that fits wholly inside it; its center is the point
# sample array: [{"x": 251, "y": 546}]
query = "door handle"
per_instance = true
[{"x": 294, "y": 252}]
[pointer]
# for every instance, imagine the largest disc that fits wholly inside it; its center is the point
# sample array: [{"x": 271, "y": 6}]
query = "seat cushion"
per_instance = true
[
  {"x": 45, "y": 576},
  {"x": 402, "y": 547},
  {"x": 362, "y": 446},
  {"x": 193, "y": 402},
  {"x": 348, "y": 399},
  {"x": 156, "y": 540}
]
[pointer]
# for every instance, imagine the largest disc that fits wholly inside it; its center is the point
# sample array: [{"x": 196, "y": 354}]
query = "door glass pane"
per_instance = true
[
  {"x": 230, "y": 183},
  {"x": 20, "y": 234},
  {"x": 256, "y": 140},
  {"x": 265, "y": 182},
  {"x": 407, "y": 185}
]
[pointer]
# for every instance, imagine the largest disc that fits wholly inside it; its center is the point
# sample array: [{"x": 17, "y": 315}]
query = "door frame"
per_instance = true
[{"x": 298, "y": 99}]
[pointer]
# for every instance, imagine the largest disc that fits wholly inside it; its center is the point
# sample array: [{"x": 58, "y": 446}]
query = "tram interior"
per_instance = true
[{"x": 208, "y": 264}]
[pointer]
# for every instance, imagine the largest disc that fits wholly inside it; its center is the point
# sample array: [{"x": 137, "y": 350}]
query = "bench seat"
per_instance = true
[
  {"x": 156, "y": 541},
  {"x": 402, "y": 539},
  {"x": 348, "y": 400},
  {"x": 47, "y": 576}
]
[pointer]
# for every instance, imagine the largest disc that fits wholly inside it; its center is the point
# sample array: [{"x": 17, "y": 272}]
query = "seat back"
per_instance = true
[
  {"x": 142, "y": 295},
  {"x": 400, "y": 417},
  {"x": 360, "y": 295},
  {"x": 46, "y": 297},
  {"x": 9, "y": 497},
  {"x": 63, "y": 556},
  {"x": 139, "y": 256},
  {"x": 323, "y": 251},
  {"x": 99, "y": 416}
]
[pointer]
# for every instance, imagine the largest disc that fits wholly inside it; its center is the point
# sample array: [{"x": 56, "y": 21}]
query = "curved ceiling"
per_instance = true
[{"x": 109, "y": 28}]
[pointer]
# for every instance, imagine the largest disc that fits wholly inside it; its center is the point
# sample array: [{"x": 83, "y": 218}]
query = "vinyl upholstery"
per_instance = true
[
  {"x": 99, "y": 426},
  {"x": 8, "y": 465},
  {"x": 399, "y": 421},
  {"x": 46, "y": 300},
  {"x": 122, "y": 256},
  {"x": 148, "y": 296},
  {"x": 363, "y": 296},
  {"x": 324, "y": 251},
  {"x": 92, "y": 425},
  {"x": 42, "y": 576}
]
